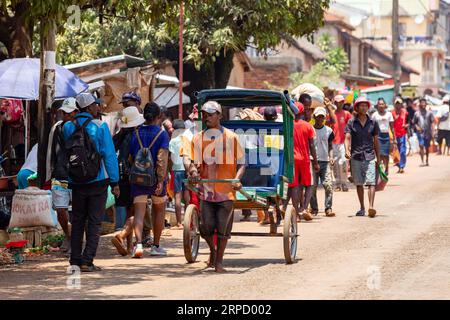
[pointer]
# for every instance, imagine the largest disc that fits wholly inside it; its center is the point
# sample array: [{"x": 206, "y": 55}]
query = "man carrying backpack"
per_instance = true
[
  {"x": 149, "y": 152},
  {"x": 93, "y": 166}
]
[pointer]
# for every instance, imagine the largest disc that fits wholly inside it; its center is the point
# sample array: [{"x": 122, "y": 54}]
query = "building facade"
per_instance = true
[{"x": 424, "y": 36}]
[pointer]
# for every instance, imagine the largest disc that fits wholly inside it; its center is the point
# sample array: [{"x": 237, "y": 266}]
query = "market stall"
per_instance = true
[{"x": 19, "y": 93}]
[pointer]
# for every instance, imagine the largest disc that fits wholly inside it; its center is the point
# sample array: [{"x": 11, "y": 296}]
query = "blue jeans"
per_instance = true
[
  {"x": 401, "y": 145},
  {"x": 121, "y": 216}
]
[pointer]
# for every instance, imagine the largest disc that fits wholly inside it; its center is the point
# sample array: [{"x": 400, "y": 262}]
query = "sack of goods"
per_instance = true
[
  {"x": 316, "y": 94},
  {"x": 32, "y": 207}
]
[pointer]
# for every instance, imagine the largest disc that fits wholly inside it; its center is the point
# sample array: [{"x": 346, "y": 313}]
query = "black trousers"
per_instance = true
[{"x": 88, "y": 205}]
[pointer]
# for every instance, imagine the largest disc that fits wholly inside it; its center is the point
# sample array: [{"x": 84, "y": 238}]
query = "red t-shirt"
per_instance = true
[
  {"x": 399, "y": 121},
  {"x": 342, "y": 117},
  {"x": 303, "y": 131}
]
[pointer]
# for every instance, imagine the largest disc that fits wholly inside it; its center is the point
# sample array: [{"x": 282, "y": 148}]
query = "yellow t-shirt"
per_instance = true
[{"x": 217, "y": 153}]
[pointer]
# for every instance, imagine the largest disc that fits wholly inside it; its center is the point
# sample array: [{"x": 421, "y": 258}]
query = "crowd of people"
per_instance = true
[
  {"x": 151, "y": 155},
  {"x": 356, "y": 143}
]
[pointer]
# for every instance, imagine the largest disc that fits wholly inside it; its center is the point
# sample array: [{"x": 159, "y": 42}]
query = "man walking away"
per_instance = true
[
  {"x": 340, "y": 162},
  {"x": 149, "y": 151},
  {"x": 423, "y": 122},
  {"x": 444, "y": 124},
  {"x": 400, "y": 116},
  {"x": 361, "y": 146},
  {"x": 324, "y": 145},
  {"x": 93, "y": 166},
  {"x": 302, "y": 180},
  {"x": 57, "y": 171}
]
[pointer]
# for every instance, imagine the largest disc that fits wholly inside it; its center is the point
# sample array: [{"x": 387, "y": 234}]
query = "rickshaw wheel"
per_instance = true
[
  {"x": 191, "y": 233},
  {"x": 290, "y": 235}
]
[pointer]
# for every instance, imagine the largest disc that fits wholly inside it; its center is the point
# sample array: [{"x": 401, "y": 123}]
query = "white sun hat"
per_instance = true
[{"x": 130, "y": 118}]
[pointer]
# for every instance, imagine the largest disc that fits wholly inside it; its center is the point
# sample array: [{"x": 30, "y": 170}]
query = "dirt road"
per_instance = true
[{"x": 401, "y": 254}]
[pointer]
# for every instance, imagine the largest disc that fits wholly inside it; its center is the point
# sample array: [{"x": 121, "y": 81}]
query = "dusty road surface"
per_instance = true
[{"x": 401, "y": 254}]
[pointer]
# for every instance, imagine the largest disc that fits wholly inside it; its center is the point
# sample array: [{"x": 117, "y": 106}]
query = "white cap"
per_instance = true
[
  {"x": 131, "y": 117},
  {"x": 446, "y": 98},
  {"x": 69, "y": 105},
  {"x": 398, "y": 99},
  {"x": 86, "y": 99},
  {"x": 212, "y": 107},
  {"x": 320, "y": 111}
]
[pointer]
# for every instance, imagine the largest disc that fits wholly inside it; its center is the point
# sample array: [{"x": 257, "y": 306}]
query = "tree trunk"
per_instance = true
[
  {"x": 16, "y": 33},
  {"x": 223, "y": 67},
  {"x": 46, "y": 94}
]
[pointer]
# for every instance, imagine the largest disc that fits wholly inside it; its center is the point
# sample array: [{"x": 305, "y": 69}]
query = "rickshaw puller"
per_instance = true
[{"x": 218, "y": 154}]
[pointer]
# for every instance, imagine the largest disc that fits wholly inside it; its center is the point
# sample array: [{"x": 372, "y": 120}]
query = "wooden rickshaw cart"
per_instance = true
[{"x": 269, "y": 167}]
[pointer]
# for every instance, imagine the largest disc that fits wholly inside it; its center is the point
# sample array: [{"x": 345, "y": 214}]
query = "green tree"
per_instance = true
[
  {"x": 214, "y": 30},
  {"x": 21, "y": 19},
  {"x": 326, "y": 71},
  {"x": 114, "y": 36}
]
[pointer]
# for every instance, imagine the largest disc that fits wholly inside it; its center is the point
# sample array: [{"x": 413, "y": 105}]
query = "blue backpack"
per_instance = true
[{"x": 143, "y": 171}]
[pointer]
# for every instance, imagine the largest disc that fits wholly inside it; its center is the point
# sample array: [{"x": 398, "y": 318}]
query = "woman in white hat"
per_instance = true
[{"x": 130, "y": 118}]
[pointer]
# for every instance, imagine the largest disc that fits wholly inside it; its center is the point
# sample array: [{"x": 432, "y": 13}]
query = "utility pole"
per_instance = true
[
  {"x": 180, "y": 62},
  {"x": 395, "y": 48},
  {"x": 46, "y": 93}
]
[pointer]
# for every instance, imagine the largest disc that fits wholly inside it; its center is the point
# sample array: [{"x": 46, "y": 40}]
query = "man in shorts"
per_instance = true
[
  {"x": 57, "y": 171},
  {"x": 216, "y": 154},
  {"x": 361, "y": 146},
  {"x": 300, "y": 190},
  {"x": 423, "y": 122}
]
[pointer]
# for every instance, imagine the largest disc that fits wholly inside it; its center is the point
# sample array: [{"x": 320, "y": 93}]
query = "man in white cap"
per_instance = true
[
  {"x": 443, "y": 120},
  {"x": 57, "y": 171},
  {"x": 324, "y": 145},
  {"x": 340, "y": 162},
  {"x": 93, "y": 166},
  {"x": 216, "y": 153}
]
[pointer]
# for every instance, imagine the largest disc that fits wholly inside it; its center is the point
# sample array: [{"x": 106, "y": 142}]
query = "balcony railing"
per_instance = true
[{"x": 421, "y": 42}]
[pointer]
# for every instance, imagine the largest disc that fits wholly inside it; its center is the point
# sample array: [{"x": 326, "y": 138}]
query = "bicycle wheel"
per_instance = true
[{"x": 191, "y": 233}]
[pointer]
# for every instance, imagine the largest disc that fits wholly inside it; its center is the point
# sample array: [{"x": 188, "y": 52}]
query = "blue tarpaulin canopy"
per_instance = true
[{"x": 19, "y": 79}]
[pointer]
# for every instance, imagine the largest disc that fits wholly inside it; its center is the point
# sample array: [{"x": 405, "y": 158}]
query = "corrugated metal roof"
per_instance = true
[{"x": 131, "y": 61}]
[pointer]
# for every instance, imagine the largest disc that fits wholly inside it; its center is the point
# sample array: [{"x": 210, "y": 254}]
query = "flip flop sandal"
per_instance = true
[
  {"x": 372, "y": 213},
  {"x": 307, "y": 216},
  {"x": 90, "y": 268},
  {"x": 361, "y": 213},
  {"x": 119, "y": 246},
  {"x": 329, "y": 213}
]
